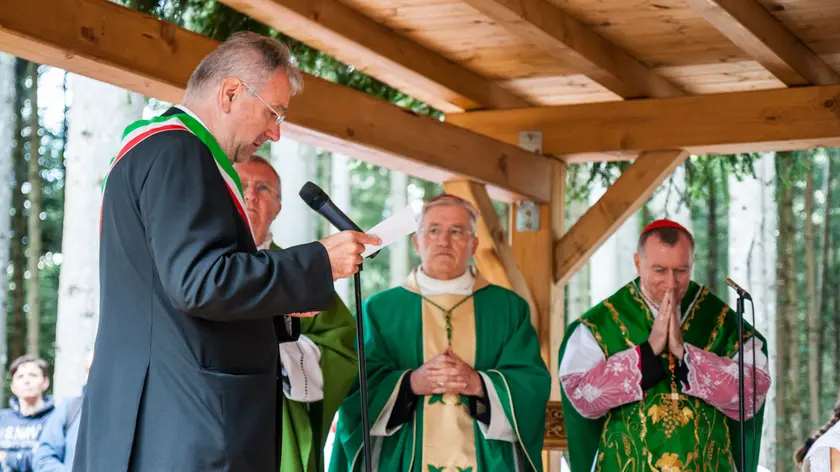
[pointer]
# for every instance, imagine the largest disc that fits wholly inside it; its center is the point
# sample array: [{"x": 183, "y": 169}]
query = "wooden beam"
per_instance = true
[
  {"x": 492, "y": 239},
  {"x": 372, "y": 47},
  {"x": 753, "y": 29},
  {"x": 629, "y": 192},
  {"x": 114, "y": 44},
  {"x": 530, "y": 245},
  {"x": 781, "y": 119},
  {"x": 550, "y": 28}
]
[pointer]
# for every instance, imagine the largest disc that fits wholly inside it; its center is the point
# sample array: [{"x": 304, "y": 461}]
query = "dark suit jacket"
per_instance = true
[{"x": 185, "y": 371}]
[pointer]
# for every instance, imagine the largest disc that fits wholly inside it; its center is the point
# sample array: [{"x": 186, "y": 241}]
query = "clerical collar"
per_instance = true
[
  {"x": 190, "y": 112},
  {"x": 461, "y": 285},
  {"x": 266, "y": 244}
]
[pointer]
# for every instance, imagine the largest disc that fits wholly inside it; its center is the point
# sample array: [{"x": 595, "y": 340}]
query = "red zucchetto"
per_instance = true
[{"x": 664, "y": 224}]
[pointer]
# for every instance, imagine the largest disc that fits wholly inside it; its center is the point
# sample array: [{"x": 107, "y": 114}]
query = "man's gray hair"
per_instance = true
[
  {"x": 248, "y": 56},
  {"x": 448, "y": 200}
]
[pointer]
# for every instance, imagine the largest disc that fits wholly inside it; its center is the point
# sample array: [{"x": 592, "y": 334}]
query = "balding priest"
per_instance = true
[{"x": 649, "y": 376}]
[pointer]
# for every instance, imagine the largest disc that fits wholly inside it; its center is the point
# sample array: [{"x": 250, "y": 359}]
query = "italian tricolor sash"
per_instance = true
[{"x": 135, "y": 133}]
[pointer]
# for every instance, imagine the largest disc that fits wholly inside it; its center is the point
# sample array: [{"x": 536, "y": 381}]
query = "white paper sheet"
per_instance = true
[{"x": 400, "y": 224}]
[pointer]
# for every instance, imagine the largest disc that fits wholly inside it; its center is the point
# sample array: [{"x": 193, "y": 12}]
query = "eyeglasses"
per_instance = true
[
  {"x": 456, "y": 233},
  {"x": 260, "y": 187},
  {"x": 279, "y": 118}
]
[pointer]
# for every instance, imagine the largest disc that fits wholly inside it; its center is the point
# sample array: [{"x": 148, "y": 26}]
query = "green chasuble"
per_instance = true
[
  {"x": 306, "y": 425},
  {"x": 490, "y": 330},
  {"x": 662, "y": 432}
]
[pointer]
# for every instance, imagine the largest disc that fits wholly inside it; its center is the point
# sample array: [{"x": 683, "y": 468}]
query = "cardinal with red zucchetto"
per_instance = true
[{"x": 650, "y": 376}]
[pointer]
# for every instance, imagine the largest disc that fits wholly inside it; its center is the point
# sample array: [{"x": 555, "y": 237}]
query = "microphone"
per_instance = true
[
  {"x": 738, "y": 289},
  {"x": 319, "y": 201}
]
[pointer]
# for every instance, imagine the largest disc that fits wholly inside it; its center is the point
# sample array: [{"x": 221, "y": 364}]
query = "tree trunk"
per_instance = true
[
  {"x": 823, "y": 284},
  {"x": 398, "y": 257},
  {"x": 787, "y": 387},
  {"x": 811, "y": 294},
  {"x": 18, "y": 257},
  {"x": 798, "y": 331},
  {"x": 33, "y": 256},
  {"x": 669, "y": 200},
  {"x": 836, "y": 312},
  {"x": 577, "y": 290},
  {"x": 712, "y": 261},
  {"x": 7, "y": 138},
  {"x": 340, "y": 194},
  {"x": 296, "y": 164},
  {"x": 752, "y": 263},
  {"x": 612, "y": 263},
  {"x": 99, "y": 114}
]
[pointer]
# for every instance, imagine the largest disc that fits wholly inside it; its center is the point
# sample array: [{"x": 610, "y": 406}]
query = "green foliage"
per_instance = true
[{"x": 582, "y": 177}]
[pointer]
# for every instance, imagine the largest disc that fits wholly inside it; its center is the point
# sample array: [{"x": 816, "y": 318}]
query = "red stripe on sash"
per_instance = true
[
  {"x": 136, "y": 140},
  {"x": 128, "y": 146},
  {"x": 238, "y": 207}
]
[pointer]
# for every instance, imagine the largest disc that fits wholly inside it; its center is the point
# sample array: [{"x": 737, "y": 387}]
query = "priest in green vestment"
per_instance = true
[
  {"x": 649, "y": 376},
  {"x": 320, "y": 366},
  {"x": 456, "y": 381}
]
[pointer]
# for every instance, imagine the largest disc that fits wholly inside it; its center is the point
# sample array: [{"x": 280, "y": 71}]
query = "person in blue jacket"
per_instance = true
[
  {"x": 57, "y": 446},
  {"x": 22, "y": 423}
]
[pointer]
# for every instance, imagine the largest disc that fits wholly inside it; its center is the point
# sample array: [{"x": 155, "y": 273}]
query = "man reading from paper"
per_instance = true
[
  {"x": 319, "y": 367},
  {"x": 649, "y": 376},
  {"x": 456, "y": 382},
  {"x": 185, "y": 373}
]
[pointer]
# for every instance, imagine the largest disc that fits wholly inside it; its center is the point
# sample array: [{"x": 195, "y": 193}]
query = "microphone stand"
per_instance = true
[
  {"x": 741, "y": 412},
  {"x": 363, "y": 393}
]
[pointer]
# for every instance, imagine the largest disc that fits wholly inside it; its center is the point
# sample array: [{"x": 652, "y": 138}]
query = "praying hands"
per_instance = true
[
  {"x": 667, "y": 330},
  {"x": 446, "y": 373}
]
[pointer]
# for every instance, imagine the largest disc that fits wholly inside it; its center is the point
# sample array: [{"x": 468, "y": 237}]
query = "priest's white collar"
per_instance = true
[
  {"x": 461, "y": 285},
  {"x": 266, "y": 244}
]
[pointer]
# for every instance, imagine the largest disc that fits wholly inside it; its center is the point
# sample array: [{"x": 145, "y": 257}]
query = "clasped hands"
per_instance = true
[
  {"x": 446, "y": 373},
  {"x": 667, "y": 329}
]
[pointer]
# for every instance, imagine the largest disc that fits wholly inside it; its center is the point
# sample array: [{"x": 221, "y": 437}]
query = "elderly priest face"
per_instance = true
[
  {"x": 261, "y": 192},
  {"x": 445, "y": 239}
]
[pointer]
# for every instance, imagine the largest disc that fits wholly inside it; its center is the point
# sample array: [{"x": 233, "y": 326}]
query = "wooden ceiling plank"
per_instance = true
[
  {"x": 752, "y": 28},
  {"x": 550, "y": 28},
  {"x": 112, "y": 43},
  {"x": 380, "y": 52}
]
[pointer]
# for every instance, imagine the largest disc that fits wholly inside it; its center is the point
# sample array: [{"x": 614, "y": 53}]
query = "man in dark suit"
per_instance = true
[{"x": 186, "y": 369}]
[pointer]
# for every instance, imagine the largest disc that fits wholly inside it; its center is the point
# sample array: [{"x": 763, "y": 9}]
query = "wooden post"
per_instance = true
[
  {"x": 534, "y": 230},
  {"x": 531, "y": 243}
]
